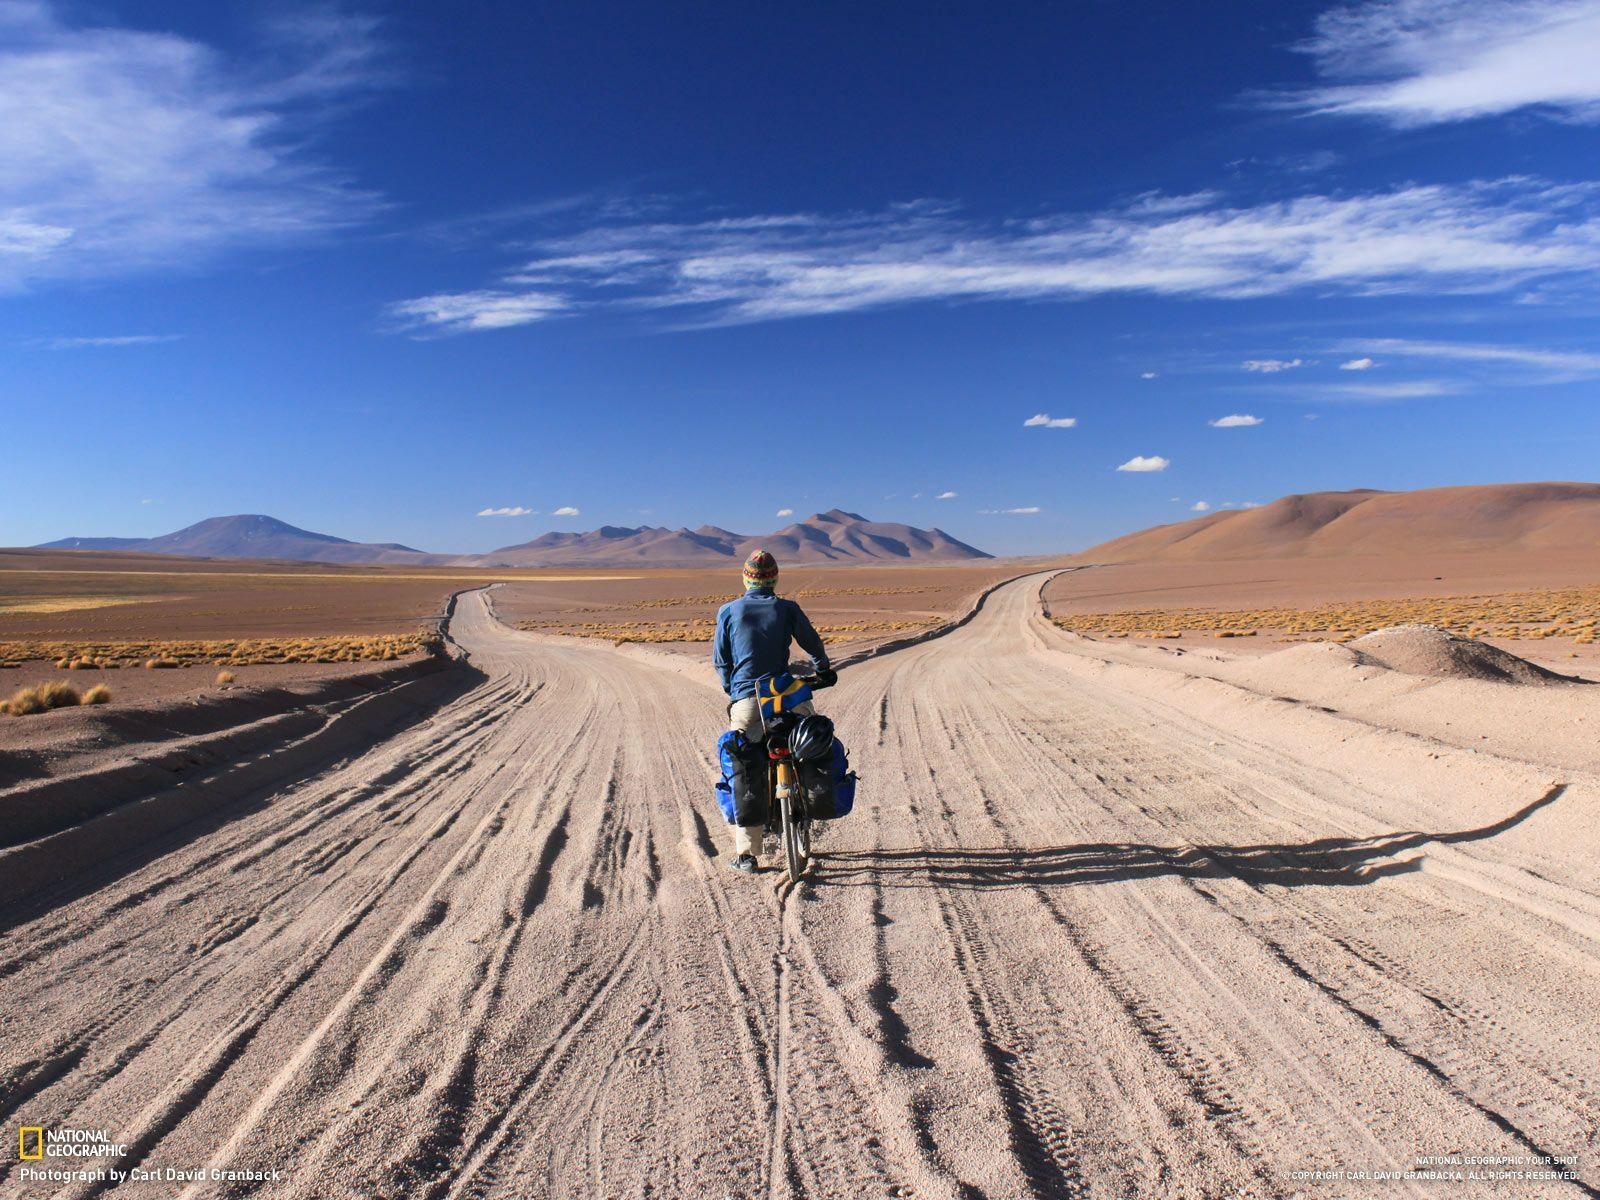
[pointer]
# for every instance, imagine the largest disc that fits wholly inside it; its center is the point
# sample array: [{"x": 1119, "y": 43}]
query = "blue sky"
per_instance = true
[{"x": 1038, "y": 275}]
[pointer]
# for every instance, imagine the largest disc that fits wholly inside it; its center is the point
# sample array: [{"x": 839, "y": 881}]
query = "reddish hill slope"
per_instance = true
[{"x": 1479, "y": 518}]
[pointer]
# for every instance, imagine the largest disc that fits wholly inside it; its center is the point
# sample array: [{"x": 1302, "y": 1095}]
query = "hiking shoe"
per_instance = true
[{"x": 745, "y": 863}]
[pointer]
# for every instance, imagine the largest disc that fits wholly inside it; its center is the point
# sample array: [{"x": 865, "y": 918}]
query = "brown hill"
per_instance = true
[
  {"x": 835, "y": 536},
  {"x": 251, "y": 535},
  {"x": 1452, "y": 520}
]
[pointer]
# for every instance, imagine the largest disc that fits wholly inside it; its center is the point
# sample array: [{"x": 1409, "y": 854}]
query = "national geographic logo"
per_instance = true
[{"x": 35, "y": 1142}]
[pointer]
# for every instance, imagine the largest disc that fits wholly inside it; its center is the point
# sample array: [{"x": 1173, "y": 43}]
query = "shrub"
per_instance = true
[
  {"x": 98, "y": 694},
  {"x": 24, "y": 701},
  {"x": 58, "y": 695},
  {"x": 224, "y": 677}
]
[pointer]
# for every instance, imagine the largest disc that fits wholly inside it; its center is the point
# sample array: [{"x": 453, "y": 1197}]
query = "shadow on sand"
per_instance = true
[{"x": 1329, "y": 862}]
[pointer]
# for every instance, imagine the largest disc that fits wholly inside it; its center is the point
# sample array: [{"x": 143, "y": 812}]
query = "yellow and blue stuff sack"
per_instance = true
[{"x": 780, "y": 693}]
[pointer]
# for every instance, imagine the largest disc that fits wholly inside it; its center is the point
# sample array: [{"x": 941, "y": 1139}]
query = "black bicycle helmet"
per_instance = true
[{"x": 812, "y": 738}]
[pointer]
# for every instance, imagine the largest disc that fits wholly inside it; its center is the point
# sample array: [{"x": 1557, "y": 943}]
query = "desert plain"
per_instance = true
[{"x": 1304, "y": 910}]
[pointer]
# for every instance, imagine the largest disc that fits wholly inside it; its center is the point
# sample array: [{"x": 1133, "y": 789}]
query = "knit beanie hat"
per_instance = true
[{"x": 760, "y": 570}]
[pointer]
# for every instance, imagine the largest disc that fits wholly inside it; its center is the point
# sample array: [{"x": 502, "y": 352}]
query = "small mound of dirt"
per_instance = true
[{"x": 1429, "y": 650}]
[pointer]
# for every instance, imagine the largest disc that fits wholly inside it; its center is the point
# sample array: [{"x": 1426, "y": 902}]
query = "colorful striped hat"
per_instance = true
[{"x": 760, "y": 570}]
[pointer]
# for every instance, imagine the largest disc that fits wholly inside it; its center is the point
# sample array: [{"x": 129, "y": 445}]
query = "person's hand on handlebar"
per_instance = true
[{"x": 826, "y": 678}]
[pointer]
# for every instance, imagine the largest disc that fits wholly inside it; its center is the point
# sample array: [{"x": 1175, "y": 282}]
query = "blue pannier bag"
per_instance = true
[
  {"x": 742, "y": 790},
  {"x": 830, "y": 785}
]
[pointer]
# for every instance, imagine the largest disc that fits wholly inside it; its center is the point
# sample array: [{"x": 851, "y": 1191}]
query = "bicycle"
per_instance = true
[{"x": 787, "y": 806}]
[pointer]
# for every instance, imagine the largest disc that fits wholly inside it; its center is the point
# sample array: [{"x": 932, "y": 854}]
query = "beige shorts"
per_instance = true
[{"x": 745, "y": 716}]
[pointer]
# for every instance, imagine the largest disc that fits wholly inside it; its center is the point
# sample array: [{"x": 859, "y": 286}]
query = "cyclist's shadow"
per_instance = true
[{"x": 1333, "y": 861}]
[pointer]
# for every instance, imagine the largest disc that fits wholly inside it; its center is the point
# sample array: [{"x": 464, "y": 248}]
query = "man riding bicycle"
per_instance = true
[{"x": 753, "y": 636}]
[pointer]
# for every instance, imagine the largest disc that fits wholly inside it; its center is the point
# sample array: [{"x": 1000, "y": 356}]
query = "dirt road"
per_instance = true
[{"x": 1079, "y": 939}]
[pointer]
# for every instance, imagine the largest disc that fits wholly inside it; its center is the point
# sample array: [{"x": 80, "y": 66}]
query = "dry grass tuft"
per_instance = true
[
  {"x": 1557, "y": 613},
  {"x": 232, "y": 652},
  {"x": 26, "y": 701},
  {"x": 98, "y": 694},
  {"x": 224, "y": 677}
]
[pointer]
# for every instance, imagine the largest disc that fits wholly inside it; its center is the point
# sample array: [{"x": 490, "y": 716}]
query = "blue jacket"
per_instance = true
[{"x": 753, "y": 635}]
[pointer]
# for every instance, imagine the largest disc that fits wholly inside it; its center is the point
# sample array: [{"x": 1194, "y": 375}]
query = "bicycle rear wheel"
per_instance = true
[{"x": 796, "y": 834}]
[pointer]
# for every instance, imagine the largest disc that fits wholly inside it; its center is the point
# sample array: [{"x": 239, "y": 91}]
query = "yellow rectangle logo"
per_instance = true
[{"x": 38, "y": 1142}]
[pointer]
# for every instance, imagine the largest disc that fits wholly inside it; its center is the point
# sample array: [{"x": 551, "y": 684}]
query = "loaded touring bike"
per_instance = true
[{"x": 793, "y": 739}]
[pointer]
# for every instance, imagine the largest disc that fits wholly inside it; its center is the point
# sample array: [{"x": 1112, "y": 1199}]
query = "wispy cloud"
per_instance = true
[
  {"x": 462, "y": 312},
  {"x": 1357, "y": 364},
  {"x": 1046, "y": 421},
  {"x": 1199, "y": 506},
  {"x": 945, "y": 496},
  {"x": 1146, "y": 462},
  {"x": 125, "y": 149},
  {"x": 1423, "y": 62},
  {"x": 566, "y": 510},
  {"x": 1414, "y": 389},
  {"x": 1003, "y": 512},
  {"x": 786, "y": 512},
  {"x": 1234, "y": 421},
  {"x": 513, "y": 511},
  {"x": 1150, "y": 375},
  {"x": 1472, "y": 237},
  {"x": 133, "y": 339},
  {"x": 1550, "y": 364},
  {"x": 1271, "y": 366}
]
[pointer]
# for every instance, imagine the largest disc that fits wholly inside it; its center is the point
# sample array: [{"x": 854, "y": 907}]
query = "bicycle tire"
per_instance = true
[{"x": 796, "y": 847}]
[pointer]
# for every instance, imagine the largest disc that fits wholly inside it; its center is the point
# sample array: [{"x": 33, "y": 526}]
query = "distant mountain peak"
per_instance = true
[
  {"x": 254, "y": 535},
  {"x": 835, "y": 536}
]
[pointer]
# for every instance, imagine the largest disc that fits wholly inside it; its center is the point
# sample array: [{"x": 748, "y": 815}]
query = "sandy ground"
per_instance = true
[
  {"x": 1097, "y": 928},
  {"x": 1313, "y": 582},
  {"x": 147, "y": 704},
  {"x": 853, "y": 607}
]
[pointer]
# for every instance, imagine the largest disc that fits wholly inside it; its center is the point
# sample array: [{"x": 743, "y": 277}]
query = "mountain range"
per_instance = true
[
  {"x": 835, "y": 536},
  {"x": 1450, "y": 520}
]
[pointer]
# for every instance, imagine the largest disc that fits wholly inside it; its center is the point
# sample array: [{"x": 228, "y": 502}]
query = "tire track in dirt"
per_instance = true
[{"x": 1076, "y": 941}]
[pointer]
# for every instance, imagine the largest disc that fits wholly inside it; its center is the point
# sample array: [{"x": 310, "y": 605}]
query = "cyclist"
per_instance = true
[{"x": 753, "y": 636}]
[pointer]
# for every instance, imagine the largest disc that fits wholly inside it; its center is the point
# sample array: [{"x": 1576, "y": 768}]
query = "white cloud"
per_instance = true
[
  {"x": 1459, "y": 238},
  {"x": 1046, "y": 421},
  {"x": 1236, "y": 504},
  {"x": 1567, "y": 364},
  {"x": 136, "y": 339},
  {"x": 124, "y": 149},
  {"x": 786, "y": 512},
  {"x": 515, "y": 511},
  {"x": 461, "y": 312},
  {"x": 1200, "y": 506},
  {"x": 1151, "y": 375},
  {"x": 1234, "y": 421},
  {"x": 1423, "y": 62},
  {"x": 945, "y": 496},
  {"x": 565, "y": 510},
  {"x": 1357, "y": 364},
  {"x": 1271, "y": 366},
  {"x": 1143, "y": 462},
  {"x": 1001, "y": 512}
]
